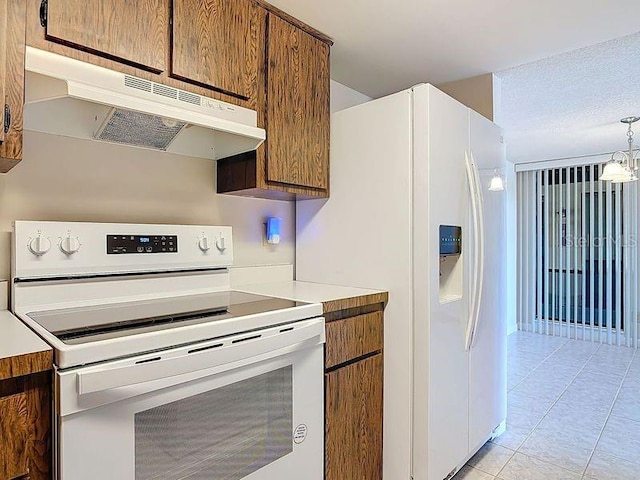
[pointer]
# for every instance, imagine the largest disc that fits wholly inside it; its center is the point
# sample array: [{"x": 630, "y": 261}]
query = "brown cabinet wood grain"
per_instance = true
[
  {"x": 133, "y": 32},
  {"x": 4, "y": 10},
  {"x": 353, "y": 337},
  {"x": 297, "y": 118},
  {"x": 25, "y": 426},
  {"x": 14, "y": 434},
  {"x": 12, "y": 31},
  {"x": 293, "y": 107},
  {"x": 217, "y": 44},
  {"x": 353, "y": 421},
  {"x": 354, "y": 391}
]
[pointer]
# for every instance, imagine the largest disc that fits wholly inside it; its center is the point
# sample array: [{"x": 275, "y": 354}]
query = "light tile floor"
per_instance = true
[{"x": 573, "y": 414}]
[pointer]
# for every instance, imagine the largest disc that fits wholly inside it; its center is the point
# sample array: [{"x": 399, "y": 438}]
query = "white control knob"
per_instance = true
[
  {"x": 221, "y": 244},
  {"x": 70, "y": 245},
  {"x": 203, "y": 244},
  {"x": 39, "y": 245}
]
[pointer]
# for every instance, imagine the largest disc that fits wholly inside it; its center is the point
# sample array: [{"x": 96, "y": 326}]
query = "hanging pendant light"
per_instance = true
[
  {"x": 623, "y": 165},
  {"x": 497, "y": 182}
]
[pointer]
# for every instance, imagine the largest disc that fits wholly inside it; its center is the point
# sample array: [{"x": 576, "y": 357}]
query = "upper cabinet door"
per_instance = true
[
  {"x": 216, "y": 44},
  {"x": 134, "y": 32},
  {"x": 3, "y": 62},
  {"x": 297, "y": 107}
]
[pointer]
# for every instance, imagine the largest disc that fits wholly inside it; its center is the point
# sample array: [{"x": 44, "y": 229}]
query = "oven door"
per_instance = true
[{"x": 244, "y": 407}]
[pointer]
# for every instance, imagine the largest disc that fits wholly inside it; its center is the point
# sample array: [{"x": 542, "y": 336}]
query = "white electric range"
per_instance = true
[{"x": 161, "y": 370}]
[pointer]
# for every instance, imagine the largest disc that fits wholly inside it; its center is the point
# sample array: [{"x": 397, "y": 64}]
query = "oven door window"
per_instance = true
[{"x": 226, "y": 433}]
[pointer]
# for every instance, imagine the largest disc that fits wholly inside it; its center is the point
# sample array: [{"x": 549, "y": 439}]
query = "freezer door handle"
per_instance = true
[
  {"x": 477, "y": 278},
  {"x": 481, "y": 244}
]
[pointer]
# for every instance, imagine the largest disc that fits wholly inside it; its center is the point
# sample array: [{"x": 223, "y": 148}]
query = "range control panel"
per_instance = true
[
  {"x": 119, "y": 244},
  {"x": 63, "y": 249}
]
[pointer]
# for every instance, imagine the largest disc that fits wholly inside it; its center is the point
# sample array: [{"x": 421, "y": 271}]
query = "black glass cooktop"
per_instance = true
[{"x": 87, "y": 324}]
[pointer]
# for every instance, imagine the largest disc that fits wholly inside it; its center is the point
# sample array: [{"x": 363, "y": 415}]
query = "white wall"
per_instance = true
[
  {"x": 78, "y": 180},
  {"x": 344, "y": 97}
]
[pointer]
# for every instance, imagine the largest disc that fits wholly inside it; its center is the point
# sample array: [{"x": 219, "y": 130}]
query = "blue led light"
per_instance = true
[{"x": 273, "y": 230}]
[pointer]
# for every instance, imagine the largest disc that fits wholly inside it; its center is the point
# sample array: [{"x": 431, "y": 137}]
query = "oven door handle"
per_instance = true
[{"x": 239, "y": 350}]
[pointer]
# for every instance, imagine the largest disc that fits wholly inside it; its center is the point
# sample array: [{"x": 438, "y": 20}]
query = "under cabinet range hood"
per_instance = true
[{"x": 64, "y": 96}]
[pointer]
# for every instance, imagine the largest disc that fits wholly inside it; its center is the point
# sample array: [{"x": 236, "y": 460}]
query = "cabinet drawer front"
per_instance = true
[
  {"x": 353, "y": 337},
  {"x": 136, "y": 32},
  {"x": 14, "y": 432}
]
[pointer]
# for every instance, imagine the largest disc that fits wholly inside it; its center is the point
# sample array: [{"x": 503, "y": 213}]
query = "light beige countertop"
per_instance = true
[
  {"x": 22, "y": 352},
  {"x": 332, "y": 297}
]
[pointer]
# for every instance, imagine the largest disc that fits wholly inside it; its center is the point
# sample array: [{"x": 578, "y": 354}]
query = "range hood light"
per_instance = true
[{"x": 169, "y": 122}]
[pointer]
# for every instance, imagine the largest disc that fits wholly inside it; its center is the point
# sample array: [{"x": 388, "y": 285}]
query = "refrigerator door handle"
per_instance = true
[
  {"x": 480, "y": 238},
  {"x": 471, "y": 178}
]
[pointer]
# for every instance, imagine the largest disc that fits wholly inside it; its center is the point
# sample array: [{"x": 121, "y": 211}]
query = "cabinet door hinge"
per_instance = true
[
  {"x": 7, "y": 118},
  {"x": 43, "y": 12}
]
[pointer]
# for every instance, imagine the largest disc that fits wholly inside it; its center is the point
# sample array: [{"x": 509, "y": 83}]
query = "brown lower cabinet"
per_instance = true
[
  {"x": 25, "y": 427},
  {"x": 353, "y": 398}
]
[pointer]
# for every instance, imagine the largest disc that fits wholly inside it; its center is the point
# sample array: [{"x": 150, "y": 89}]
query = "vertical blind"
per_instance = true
[{"x": 578, "y": 255}]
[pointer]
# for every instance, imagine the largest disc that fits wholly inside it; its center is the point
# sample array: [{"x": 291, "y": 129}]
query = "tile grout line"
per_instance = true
[
  {"x": 513, "y": 452},
  {"x": 539, "y": 364},
  {"x": 626, "y": 373},
  {"x": 497, "y": 475}
]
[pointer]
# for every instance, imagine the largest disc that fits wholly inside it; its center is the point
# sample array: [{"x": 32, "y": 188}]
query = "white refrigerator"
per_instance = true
[{"x": 410, "y": 212}]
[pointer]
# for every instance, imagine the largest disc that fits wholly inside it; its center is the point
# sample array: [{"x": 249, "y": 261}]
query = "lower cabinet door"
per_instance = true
[
  {"x": 13, "y": 436},
  {"x": 353, "y": 421}
]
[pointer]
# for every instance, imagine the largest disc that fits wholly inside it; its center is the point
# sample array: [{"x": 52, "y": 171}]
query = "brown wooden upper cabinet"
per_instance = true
[
  {"x": 3, "y": 64},
  {"x": 217, "y": 43},
  {"x": 297, "y": 107},
  {"x": 135, "y": 32},
  {"x": 12, "y": 48}
]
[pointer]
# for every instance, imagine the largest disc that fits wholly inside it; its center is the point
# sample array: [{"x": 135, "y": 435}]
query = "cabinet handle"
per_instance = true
[
  {"x": 7, "y": 118},
  {"x": 43, "y": 13}
]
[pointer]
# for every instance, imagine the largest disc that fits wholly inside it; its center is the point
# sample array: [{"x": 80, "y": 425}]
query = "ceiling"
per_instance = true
[
  {"x": 570, "y": 105},
  {"x": 382, "y": 46}
]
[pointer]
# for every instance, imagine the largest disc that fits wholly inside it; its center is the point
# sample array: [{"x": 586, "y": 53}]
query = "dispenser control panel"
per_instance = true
[{"x": 450, "y": 240}]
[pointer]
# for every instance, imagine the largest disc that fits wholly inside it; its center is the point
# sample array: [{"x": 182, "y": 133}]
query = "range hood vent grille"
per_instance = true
[
  {"x": 137, "y": 83},
  {"x": 162, "y": 90},
  {"x": 138, "y": 129},
  {"x": 191, "y": 98}
]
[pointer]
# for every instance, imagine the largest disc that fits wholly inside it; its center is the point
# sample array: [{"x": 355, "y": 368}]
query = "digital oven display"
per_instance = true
[{"x": 120, "y": 244}]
